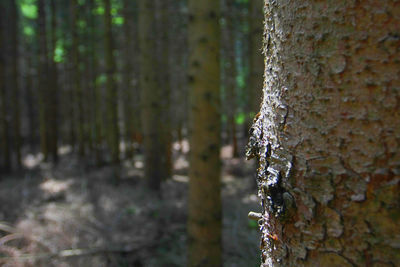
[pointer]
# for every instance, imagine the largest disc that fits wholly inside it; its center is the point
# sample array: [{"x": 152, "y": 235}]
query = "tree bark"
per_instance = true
[
  {"x": 111, "y": 88},
  {"x": 229, "y": 69},
  {"x": 77, "y": 79},
  {"x": 43, "y": 80},
  {"x": 256, "y": 62},
  {"x": 151, "y": 96},
  {"x": 5, "y": 148},
  {"x": 327, "y": 137},
  {"x": 16, "y": 109},
  {"x": 53, "y": 90},
  {"x": 204, "y": 215}
]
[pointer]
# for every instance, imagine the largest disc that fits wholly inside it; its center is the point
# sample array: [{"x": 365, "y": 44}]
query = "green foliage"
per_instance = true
[
  {"x": 101, "y": 79},
  {"x": 59, "y": 52},
  {"x": 240, "y": 118},
  {"x": 99, "y": 10},
  {"x": 29, "y": 9},
  {"x": 118, "y": 20},
  {"x": 29, "y": 30}
]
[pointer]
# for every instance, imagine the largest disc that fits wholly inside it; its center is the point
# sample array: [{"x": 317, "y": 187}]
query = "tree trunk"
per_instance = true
[
  {"x": 53, "y": 90},
  {"x": 204, "y": 215},
  {"x": 164, "y": 84},
  {"x": 95, "y": 89},
  {"x": 229, "y": 72},
  {"x": 43, "y": 80},
  {"x": 5, "y": 149},
  {"x": 16, "y": 121},
  {"x": 327, "y": 137},
  {"x": 111, "y": 88},
  {"x": 150, "y": 95},
  {"x": 76, "y": 78},
  {"x": 256, "y": 64},
  {"x": 128, "y": 77}
]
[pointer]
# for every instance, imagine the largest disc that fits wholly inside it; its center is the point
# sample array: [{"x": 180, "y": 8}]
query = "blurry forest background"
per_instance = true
[{"x": 80, "y": 133}]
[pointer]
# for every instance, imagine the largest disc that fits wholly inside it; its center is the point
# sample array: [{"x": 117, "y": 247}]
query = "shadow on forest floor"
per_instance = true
[{"x": 72, "y": 216}]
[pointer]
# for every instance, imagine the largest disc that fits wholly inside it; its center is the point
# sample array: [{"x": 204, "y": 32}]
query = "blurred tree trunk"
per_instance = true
[
  {"x": 150, "y": 95},
  {"x": 15, "y": 95},
  {"x": 229, "y": 69},
  {"x": 29, "y": 101},
  {"x": 256, "y": 64},
  {"x": 204, "y": 215},
  {"x": 164, "y": 85},
  {"x": 53, "y": 90},
  {"x": 78, "y": 97},
  {"x": 128, "y": 78},
  {"x": 327, "y": 138},
  {"x": 43, "y": 80},
  {"x": 96, "y": 92},
  {"x": 5, "y": 139},
  {"x": 111, "y": 88},
  {"x": 178, "y": 68}
]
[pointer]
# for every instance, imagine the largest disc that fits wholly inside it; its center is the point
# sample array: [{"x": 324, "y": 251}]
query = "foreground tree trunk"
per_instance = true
[
  {"x": 204, "y": 216},
  {"x": 327, "y": 138}
]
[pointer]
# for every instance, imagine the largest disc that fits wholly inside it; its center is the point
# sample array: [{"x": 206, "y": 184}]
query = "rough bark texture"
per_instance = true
[
  {"x": 327, "y": 138},
  {"x": 204, "y": 216}
]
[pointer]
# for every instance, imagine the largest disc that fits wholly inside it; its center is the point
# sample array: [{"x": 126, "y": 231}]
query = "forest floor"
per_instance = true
[{"x": 72, "y": 215}]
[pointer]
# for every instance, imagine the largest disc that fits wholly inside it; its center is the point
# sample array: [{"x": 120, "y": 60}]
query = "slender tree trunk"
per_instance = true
[
  {"x": 150, "y": 95},
  {"x": 95, "y": 89},
  {"x": 43, "y": 80},
  {"x": 16, "y": 121},
  {"x": 74, "y": 9},
  {"x": 111, "y": 88},
  {"x": 128, "y": 77},
  {"x": 256, "y": 64},
  {"x": 5, "y": 149},
  {"x": 53, "y": 90},
  {"x": 205, "y": 216},
  {"x": 164, "y": 85},
  {"x": 327, "y": 138},
  {"x": 29, "y": 102},
  {"x": 229, "y": 69}
]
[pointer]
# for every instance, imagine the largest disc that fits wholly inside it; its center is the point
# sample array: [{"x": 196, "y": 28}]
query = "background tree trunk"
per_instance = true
[
  {"x": 5, "y": 139},
  {"x": 151, "y": 96},
  {"x": 327, "y": 138},
  {"x": 15, "y": 95},
  {"x": 43, "y": 80},
  {"x": 53, "y": 114},
  {"x": 76, "y": 74},
  {"x": 111, "y": 88},
  {"x": 204, "y": 215},
  {"x": 256, "y": 64}
]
